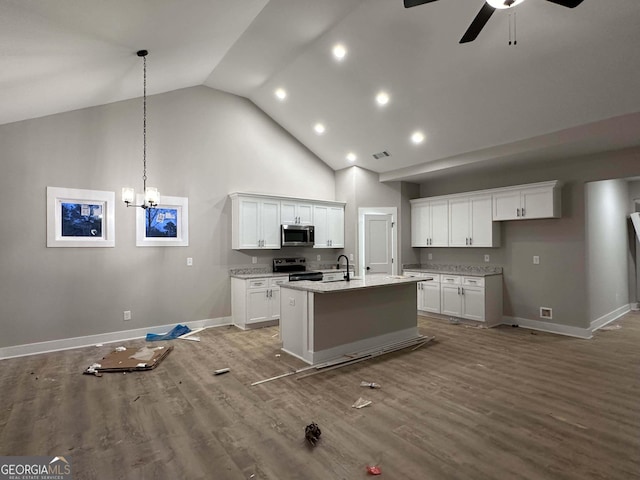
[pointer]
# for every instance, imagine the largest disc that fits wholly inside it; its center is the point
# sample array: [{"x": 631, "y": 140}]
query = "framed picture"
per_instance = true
[
  {"x": 166, "y": 225},
  {"x": 80, "y": 218}
]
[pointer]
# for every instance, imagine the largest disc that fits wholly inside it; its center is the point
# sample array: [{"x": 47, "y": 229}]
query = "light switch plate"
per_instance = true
[
  {"x": 487, "y": 258},
  {"x": 430, "y": 256},
  {"x": 536, "y": 260},
  {"x": 254, "y": 259},
  {"x": 189, "y": 262}
]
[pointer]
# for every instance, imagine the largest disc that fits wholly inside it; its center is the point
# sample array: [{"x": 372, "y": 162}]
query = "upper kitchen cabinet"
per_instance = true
[
  {"x": 329, "y": 225},
  {"x": 470, "y": 222},
  {"x": 526, "y": 202},
  {"x": 429, "y": 223},
  {"x": 296, "y": 213},
  {"x": 256, "y": 222}
]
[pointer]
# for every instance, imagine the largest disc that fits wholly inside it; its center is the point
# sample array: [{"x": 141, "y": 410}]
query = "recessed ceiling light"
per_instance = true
[
  {"x": 281, "y": 93},
  {"x": 319, "y": 128},
  {"x": 503, "y": 4},
  {"x": 339, "y": 51},
  {"x": 417, "y": 137},
  {"x": 352, "y": 157},
  {"x": 382, "y": 98}
]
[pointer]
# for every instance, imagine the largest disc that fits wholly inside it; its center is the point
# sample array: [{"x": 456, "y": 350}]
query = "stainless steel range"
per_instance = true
[{"x": 297, "y": 269}]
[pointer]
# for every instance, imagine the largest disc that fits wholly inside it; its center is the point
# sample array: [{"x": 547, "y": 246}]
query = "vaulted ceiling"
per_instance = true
[{"x": 570, "y": 86}]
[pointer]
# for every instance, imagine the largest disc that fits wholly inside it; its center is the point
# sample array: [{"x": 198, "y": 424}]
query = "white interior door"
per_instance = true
[{"x": 378, "y": 250}]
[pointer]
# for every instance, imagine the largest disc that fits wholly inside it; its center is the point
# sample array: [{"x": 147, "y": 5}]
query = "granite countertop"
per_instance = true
[
  {"x": 249, "y": 273},
  {"x": 370, "y": 281},
  {"x": 468, "y": 270}
]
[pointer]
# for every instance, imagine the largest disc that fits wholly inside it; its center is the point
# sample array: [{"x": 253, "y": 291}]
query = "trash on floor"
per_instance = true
[
  {"x": 374, "y": 470},
  {"x": 123, "y": 361},
  {"x": 612, "y": 327},
  {"x": 369, "y": 384},
  {"x": 174, "y": 333},
  {"x": 221, "y": 371},
  {"x": 312, "y": 433},
  {"x": 120, "y": 349},
  {"x": 361, "y": 403}
]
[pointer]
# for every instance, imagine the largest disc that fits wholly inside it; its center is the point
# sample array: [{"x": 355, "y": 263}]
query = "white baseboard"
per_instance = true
[
  {"x": 111, "y": 337},
  {"x": 610, "y": 317},
  {"x": 548, "y": 327}
]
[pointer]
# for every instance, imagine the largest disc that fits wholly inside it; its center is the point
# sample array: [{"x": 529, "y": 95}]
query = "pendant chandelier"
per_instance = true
[{"x": 151, "y": 194}]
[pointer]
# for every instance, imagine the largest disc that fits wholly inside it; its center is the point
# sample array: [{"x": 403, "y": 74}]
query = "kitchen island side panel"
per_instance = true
[{"x": 349, "y": 316}]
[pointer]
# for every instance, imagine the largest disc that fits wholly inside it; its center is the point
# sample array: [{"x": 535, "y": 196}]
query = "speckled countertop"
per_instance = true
[
  {"x": 249, "y": 273},
  {"x": 370, "y": 281},
  {"x": 469, "y": 270}
]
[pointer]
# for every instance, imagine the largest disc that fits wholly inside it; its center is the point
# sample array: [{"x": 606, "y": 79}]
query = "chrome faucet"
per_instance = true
[{"x": 346, "y": 277}]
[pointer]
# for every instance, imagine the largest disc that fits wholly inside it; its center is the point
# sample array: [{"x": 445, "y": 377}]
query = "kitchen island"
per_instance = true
[{"x": 323, "y": 321}]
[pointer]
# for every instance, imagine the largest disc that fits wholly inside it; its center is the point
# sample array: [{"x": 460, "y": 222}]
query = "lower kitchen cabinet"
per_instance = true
[
  {"x": 255, "y": 301},
  {"x": 471, "y": 298}
]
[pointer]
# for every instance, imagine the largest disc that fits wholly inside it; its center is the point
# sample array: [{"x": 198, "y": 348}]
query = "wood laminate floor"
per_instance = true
[{"x": 504, "y": 403}]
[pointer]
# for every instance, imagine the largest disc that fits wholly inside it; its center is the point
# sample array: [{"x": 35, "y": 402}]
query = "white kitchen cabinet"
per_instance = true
[
  {"x": 256, "y": 223},
  {"x": 471, "y": 223},
  {"x": 429, "y": 223},
  {"x": 472, "y": 298},
  {"x": 255, "y": 301},
  {"x": 527, "y": 202},
  {"x": 296, "y": 213},
  {"x": 428, "y": 298},
  {"x": 329, "y": 226}
]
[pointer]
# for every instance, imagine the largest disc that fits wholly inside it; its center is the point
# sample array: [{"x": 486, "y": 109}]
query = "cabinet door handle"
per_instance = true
[
  {"x": 522, "y": 212},
  {"x": 466, "y": 241},
  {"x": 517, "y": 212},
  {"x": 458, "y": 290},
  {"x": 462, "y": 290},
  {"x": 471, "y": 241}
]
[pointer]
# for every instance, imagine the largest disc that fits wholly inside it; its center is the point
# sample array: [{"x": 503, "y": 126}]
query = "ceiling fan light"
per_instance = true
[{"x": 501, "y": 4}]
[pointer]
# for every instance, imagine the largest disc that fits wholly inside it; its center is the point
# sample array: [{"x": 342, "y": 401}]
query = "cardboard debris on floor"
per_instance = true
[{"x": 125, "y": 360}]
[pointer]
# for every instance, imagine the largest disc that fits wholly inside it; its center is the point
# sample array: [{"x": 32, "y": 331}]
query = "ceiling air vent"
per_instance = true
[{"x": 380, "y": 155}]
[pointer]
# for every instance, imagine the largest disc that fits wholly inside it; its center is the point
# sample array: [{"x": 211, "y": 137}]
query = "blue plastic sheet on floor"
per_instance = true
[{"x": 175, "y": 332}]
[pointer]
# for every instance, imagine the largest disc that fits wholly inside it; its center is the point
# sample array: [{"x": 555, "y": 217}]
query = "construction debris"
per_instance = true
[
  {"x": 123, "y": 361},
  {"x": 369, "y": 384},
  {"x": 350, "y": 359},
  {"x": 612, "y": 327},
  {"x": 312, "y": 434},
  {"x": 374, "y": 470},
  {"x": 221, "y": 371},
  {"x": 361, "y": 403}
]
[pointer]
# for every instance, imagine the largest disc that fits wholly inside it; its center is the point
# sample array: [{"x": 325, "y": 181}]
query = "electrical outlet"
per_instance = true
[
  {"x": 351, "y": 257},
  {"x": 536, "y": 260},
  {"x": 487, "y": 258},
  {"x": 126, "y": 315},
  {"x": 546, "y": 312},
  {"x": 189, "y": 262},
  {"x": 254, "y": 259},
  {"x": 292, "y": 302},
  {"x": 318, "y": 258},
  {"x": 430, "y": 256}
]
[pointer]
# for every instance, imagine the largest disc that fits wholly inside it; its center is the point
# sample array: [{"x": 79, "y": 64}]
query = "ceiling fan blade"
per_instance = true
[
  {"x": 478, "y": 23},
  {"x": 567, "y": 3},
  {"x": 415, "y": 3}
]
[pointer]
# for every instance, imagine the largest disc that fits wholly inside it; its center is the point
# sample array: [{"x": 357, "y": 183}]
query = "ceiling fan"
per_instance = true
[{"x": 487, "y": 10}]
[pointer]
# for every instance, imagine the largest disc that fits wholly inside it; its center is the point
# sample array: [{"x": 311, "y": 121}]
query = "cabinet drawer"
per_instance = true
[
  {"x": 277, "y": 281},
  {"x": 258, "y": 283},
  {"x": 473, "y": 281},
  {"x": 450, "y": 280},
  {"x": 434, "y": 277}
]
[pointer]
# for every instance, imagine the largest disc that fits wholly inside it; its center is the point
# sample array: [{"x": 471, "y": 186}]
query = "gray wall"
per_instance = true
[
  {"x": 361, "y": 188},
  {"x": 202, "y": 144},
  {"x": 559, "y": 281},
  {"x": 607, "y": 246}
]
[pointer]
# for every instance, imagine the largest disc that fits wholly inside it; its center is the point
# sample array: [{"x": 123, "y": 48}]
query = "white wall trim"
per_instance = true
[
  {"x": 610, "y": 317},
  {"x": 548, "y": 327},
  {"x": 111, "y": 337}
]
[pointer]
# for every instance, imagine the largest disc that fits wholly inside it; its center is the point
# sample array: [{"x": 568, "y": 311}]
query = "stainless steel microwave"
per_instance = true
[{"x": 297, "y": 236}]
